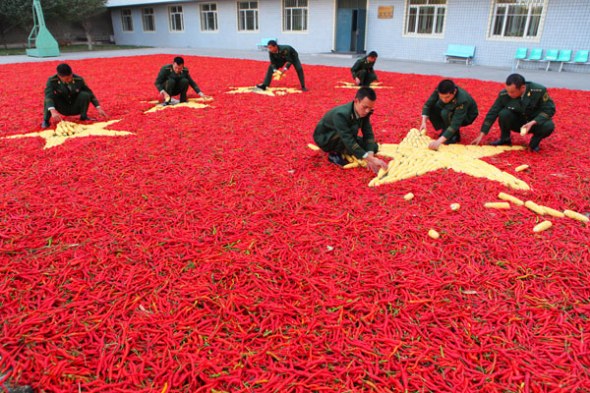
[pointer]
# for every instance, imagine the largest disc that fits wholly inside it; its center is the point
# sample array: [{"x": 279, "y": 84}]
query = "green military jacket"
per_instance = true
[
  {"x": 286, "y": 54},
  {"x": 167, "y": 72},
  {"x": 461, "y": 107},
  {"x": 535, "y": 104},
  {"x": 342, "y": 121},
  {"x": 362, "y": 64},
  {"x": 66, "y": 91}
]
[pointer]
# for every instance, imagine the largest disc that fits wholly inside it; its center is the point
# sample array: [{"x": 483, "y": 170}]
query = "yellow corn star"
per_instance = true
[
  {"x": 270, "y": 91},
  {"x": 412, "y": 158},
  {"x": 66, "y": 130},
  {"x": 352, "y": 85},
  {"x": 194, "y": 103}
]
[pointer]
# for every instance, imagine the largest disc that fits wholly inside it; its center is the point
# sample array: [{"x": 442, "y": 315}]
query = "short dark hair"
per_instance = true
[
  {"x": 64, "y": 70},
  {"x": 446, "y": 86},
  {"x": 271, "y": 43},
  {"x": 365, "y": 92},
  {"x": 516, "y": 80},
  {"x": 372, "y": 54},
  {"x": 178, "y": 60}
]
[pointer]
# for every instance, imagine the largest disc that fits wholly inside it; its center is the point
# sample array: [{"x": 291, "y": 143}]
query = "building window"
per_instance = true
[
  {"x": 425, "y": 16},
  {"x": 148, "y": 19},
  {"x": 517, "y": 18},
  {"x": 126, "y": 19},
  {"x": 176, "y": 18},
  {"x": 295, "y": 15},
  {"x": 247, "y": 15},
  {"x": 209, "y": 17}
]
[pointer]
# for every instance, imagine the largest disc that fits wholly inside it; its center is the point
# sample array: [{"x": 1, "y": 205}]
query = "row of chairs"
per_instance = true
[{"x": 562, "y": 57}]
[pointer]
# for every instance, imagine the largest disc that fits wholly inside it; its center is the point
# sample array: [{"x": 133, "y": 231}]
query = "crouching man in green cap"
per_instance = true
[
  {"x": 66, "y": 94},
  {"x": 337, "y": 132}
]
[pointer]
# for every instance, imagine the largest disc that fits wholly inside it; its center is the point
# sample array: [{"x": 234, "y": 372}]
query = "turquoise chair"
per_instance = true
[
  {"x": 535, "y": 55},
  {"x": 581, "y": 57},
  {"x": 550, "y": 55},
  {"x": 520, "y": 55},
  {"x": 565, "y": 55}
]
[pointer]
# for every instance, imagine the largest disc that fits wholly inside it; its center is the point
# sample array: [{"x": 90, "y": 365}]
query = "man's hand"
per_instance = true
[
  {"x": 423, "y": 124},
  {"x": 477, "y": 140},
  {"x": 102, "y": 112},
  {"x": 434, "y": 145},
  {"x": 166, "y": 95},
  {"x": 528, "y": 126},
  {"x": 205, "y": 96},
  {"x": 357, "y": 81},
  {"x": 375, "y": 163},
  {"x": 285, "y": 69},
  {"x": 55, "y": 115}
]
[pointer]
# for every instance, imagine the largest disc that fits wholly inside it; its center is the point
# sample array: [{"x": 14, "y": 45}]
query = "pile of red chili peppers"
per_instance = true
[{"x": 213, "y": 251}]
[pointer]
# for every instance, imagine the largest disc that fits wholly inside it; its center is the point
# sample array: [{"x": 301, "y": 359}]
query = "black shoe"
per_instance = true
[
  {"x": 304, "y": 89},
  {"x": 534, "y": 144},
  {"x": 86, "y": 118},
  {"x": 336, "y": 158},
  {"x": 45, "y": 124},
  {"x": 501, "y": 142},
  {"x": 261, "y": 86}
]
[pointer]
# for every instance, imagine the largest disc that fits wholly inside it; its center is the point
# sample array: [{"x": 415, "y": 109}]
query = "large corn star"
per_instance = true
[
  {"x": 66, "y": 130},
  {"x": 411, "y": 158}
]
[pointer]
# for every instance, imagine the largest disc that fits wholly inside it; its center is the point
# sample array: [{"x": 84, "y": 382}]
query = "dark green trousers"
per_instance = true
[
  {"x": 336, "y": 145},
  {"x": 440, "y": 119},
  {"x": 175, "y": 86},
  {"x": 78, "y": 107},
  {"x": 366, "y": 77},
  {"x": 509, "y": 120},
  {"x": 296, "y": 65}
]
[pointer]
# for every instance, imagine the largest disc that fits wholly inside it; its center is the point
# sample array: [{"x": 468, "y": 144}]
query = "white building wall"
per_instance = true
[{"x": 318, "y": 37}]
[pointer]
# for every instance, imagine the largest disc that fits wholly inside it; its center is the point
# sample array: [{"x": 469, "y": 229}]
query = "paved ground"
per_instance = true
[{"x": 578, "y": 80}]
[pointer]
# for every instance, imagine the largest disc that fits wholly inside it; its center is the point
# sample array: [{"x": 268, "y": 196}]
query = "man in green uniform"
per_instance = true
[
  {"x": 449, "y": 108},
  {"x": 338, "y": 131},
  {"x": 521, "y": 107},
  {"x": 282, "y": 57},
  {"x": 362, "y": 70},
  {"x": 67, "y": 94},
  {"x": 174, "y": 79}
]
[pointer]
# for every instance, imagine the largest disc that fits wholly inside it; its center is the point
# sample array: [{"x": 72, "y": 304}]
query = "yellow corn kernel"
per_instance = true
[
  {"x": 313, "y": 147},
  {"x": 534, "y": 207},
  {"x": 507, "y": 197},
  {"x": 521, "y": 168},
  {"x": 455, "y": 207},
  {"x": 576, "y": 215},
  {"x": 542, "y": 226},
  {"x": 523, "y": 131},
  {"x": 409, "y": 196},
  {"x": 351, "y": 165},
  {"x": 497, "y": 205},
  {"x": 433, "y": 234},
  {"x": 552, "y": 212}
]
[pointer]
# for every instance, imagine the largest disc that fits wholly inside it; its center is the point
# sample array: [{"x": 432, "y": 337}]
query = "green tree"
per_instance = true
[
  {"x": 81, "y": 12},
  {"x": 14, "y": 13}
]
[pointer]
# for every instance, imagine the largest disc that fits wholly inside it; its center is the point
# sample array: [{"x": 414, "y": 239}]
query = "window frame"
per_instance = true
[
  {"x": 492, "y": 24},
  {"x": 175, "y": 10},
  {"x": 204, "y": 16},
  {"x": 151, "y": 17},
  {"x": 242, "y": 16},
  {"x": 126, "y": 18},
  {"x": 439, "y": 17},
  {"x": 305, "y": 16}
]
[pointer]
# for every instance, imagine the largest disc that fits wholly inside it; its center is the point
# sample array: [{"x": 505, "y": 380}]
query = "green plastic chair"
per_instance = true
[
  {"x": 581, "y": 57},
  {"x": 550, "y": 55},
  {"x": 520, "y": 55},
  {"x": 535, "y": 55},
  {"x": 565, "y": 55}
]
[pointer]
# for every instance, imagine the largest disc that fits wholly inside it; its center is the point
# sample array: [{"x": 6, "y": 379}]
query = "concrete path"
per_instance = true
[{"x": 576, "y": 80}]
